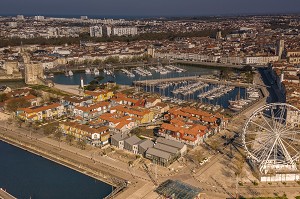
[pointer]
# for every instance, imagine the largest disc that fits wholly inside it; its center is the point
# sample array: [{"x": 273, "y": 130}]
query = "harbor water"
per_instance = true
[
  {"x": 26, "y": 175},
  {"x": 121, "y": 78}
]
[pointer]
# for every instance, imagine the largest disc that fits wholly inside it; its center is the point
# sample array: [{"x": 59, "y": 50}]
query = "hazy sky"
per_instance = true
[{"x": 148, "y": 7}]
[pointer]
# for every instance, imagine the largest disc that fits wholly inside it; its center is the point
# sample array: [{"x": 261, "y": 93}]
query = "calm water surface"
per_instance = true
[
  {"x": 121, "y": 78},
  {"x": 26, "y": 175}
]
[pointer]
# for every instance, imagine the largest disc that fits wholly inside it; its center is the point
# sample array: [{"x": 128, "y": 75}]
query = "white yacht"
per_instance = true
[
  {"x": 70, "y": 73},
  {"x": 87, "y": 71},
  {"x": 96, "y": 71}
]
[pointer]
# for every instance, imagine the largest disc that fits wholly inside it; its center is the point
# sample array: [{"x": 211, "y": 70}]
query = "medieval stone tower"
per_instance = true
[
  {"x": 34, "y": 72},
  {"x": 11, "y": 67}
]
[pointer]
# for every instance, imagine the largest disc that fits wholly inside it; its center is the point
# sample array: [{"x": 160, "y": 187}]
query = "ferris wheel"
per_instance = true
[{"x": 272, "y": 138}]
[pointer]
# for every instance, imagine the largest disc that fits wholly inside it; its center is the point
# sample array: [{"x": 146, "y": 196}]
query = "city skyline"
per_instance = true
[{"x": 135, "y": 8}]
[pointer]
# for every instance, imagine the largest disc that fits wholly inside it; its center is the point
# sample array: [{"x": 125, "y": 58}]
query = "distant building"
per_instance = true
[
  {"x": 11, "y": 67},
  {"x": 39, "y": 18},
  {"x": 13, "y": 24},
  {"x": 106, "y": 30},
  {"x": 279, "y": 48},
  {"x": 293, "y": 56},
  {"x": 293, "y": 117},
  {"x": 124, "y": 31},
  {"x": 20, "y": 17},
  {"x": 96, "y": 31},
  {"x": 83, "y": 17},
  {"x": 219, "y": 34},
  {"x": 260, "y": 60}
]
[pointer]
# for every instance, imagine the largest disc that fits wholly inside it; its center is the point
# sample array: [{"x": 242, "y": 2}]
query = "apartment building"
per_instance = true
[
  {"x": 124, "y": 31},
  {"x": 94, "y": 136},
  {"x": 96, "y": 31},
  {"x": 41, "y": 113},
  {"x": 99, "y": 95}
]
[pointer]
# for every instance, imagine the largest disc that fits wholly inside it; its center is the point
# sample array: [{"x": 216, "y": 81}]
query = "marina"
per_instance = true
[
  {"x": 122, "y": 77},
  {"x": 128, "y": 73},
  {"x": 216, "y": 92},
  {"x": 207, "y": 93},
  {"x": 190, "y": 84},
  {"x": 251, "y": 95}
]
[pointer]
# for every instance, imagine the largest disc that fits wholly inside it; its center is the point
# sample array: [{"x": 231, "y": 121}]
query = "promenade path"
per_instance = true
[
  {"x": 74, "y": 89},
  {"x": 5, "y": 195},
  {"x": 99, "y": 167}
]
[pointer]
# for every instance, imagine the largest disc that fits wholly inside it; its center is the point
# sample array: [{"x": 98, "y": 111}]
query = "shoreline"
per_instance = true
[
  {"x": 121, "y": 178},
  {"x": 58, "y": 160}
]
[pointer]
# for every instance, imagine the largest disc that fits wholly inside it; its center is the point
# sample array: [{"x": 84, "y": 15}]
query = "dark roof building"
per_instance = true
[{"x": 178, "y": 190}]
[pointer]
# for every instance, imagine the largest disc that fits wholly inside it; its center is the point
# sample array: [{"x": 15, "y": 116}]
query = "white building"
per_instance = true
[
  {"x": 83, "y": 17},
  {"x": 260, "y": 59},
  {"x": 13, "y": 24},
  {"x": 96, "y": 31},
  {"x": 39, "y": 18},
  {"x": 20, "y": 17},
  {"x": 120, "y": 31},
  {"x": 293, "y": 117}
]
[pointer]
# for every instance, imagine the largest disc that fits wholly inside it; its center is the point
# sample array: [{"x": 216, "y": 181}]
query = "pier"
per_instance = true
[
  {"x": 5, "y": 195},
  {"x": 153, "y": 82}
]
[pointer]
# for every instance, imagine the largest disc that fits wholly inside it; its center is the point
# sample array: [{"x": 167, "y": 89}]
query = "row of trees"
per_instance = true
[
  {"x": 4, "y": 42},
  {"x": 53, "y": 129},
  {"x": 113, "y": 60}
]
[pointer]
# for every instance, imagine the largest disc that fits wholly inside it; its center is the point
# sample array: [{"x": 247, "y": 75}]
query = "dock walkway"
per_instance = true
[{"x": 190, "y": 78}]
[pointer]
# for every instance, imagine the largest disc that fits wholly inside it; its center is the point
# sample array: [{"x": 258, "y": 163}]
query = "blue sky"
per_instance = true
[{"x": 148, "y": 7}]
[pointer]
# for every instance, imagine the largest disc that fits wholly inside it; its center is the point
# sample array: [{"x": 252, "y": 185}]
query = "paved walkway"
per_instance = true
[
  {"x": 74, "y": 89},
  {"x": 5, "y": 195}
]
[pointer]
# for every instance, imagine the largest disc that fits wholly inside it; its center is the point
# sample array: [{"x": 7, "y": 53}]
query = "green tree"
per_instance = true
[
  {"x": 20, "y": 122},
  {"x": 112, "y": 60},
  {"x": 71, "y": 63},
  {"x": 58, "y": 134},
  {"x": 115, "y": 88},
  {"x": 70, "y": 138},
  {"x": 50, "y": 128},
  {"x": 136, "y": 131},
  {"x": 81, "y": 144},
  {"x": 97, "y": 62},
  {"x": 14, "y": 104},
  {"x": 3, "y": 97}
]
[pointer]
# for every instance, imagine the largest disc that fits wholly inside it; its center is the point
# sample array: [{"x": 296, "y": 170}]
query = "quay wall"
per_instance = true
[{"x": 101, "y": 176}]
